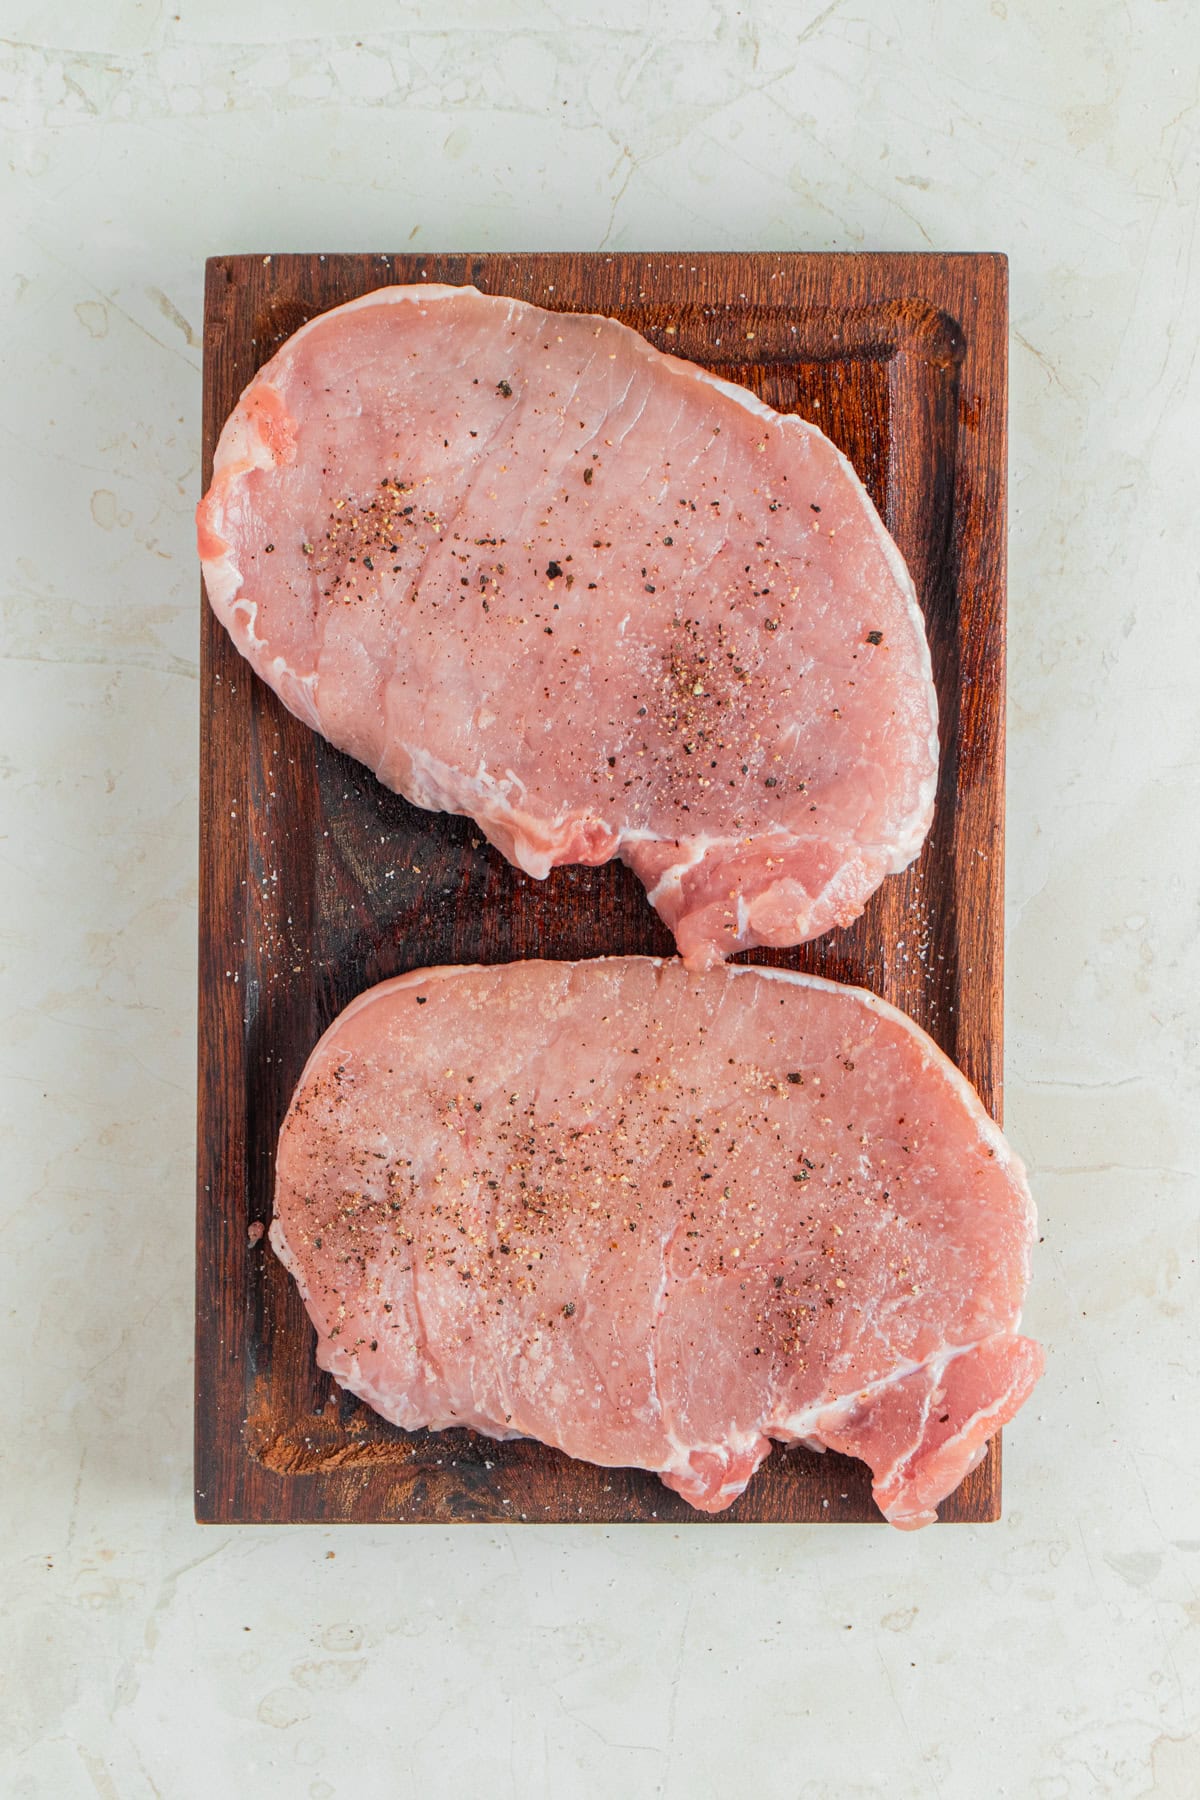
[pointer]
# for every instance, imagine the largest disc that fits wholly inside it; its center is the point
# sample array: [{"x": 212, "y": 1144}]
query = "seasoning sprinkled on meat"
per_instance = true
[
  {"x": 660, "y": 1220},
  {"x": 604, "y": 604}
]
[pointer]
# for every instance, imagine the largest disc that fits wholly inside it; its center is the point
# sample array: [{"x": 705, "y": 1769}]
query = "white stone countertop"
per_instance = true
[{"x": 1056, "y": 1654}]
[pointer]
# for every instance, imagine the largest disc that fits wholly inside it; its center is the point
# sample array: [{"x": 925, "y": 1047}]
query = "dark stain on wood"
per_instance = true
[{"x": 316, "y": 882}]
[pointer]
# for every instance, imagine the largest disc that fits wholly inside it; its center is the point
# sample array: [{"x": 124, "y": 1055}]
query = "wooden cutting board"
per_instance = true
[{"x": 315, "y": 882}]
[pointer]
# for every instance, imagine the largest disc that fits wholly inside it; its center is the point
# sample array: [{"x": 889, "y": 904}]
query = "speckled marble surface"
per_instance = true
[{"x": 1054, "y": 1655}]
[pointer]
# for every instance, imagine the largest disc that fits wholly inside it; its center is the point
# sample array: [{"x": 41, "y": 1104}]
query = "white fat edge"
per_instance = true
[
  {"x": 700, "y": 846},
  {"x": 277, "y": 1238},
  {"x": 847, "y": 848},
  {"x": 743, "y": 395},
  {"x": 298, "y": 693},
  {"x": 223, "y": 581},
  {"x": 418, "y": 294},
  {"x": 703, "y": 843},
  {"x": 247, "y": 610},
  {"x": 383, "y": 990},
  {"x": 441, "y": 787},
  {"x": 803, "y": 1424},
  {"x": 397, "y": 294},
  {"x": 913, "y": 836},
  {"x": 673, "y": 876},
  {"x": 438, "y": 787},
  {"x": 989, "y": 1132},
  {"x": 487, "y": 798},
  {"x": 242, "y": 447},
  {"x": 844, "y": 872},
  {"x": 240, "y": 440},
  {"x": 738, "y": 1444},
  {"x": 979, "y": 1417},
  {"x": 241, "y": 444},
  {"x": 394, "y": 1404}
]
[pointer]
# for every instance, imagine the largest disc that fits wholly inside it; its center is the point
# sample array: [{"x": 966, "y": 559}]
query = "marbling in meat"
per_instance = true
[
  {"x": 528, "y": 568},
  {"x": 660, "y": 1219}
]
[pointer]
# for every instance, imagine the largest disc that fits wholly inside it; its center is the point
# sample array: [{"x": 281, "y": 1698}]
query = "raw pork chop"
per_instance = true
[
  {"x": 658, "y": 1220},
  {"x": 530, "y": 569}
]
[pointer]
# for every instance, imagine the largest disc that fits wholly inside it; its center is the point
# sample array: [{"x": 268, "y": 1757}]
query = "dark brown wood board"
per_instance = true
[{"x": 308, "y": 884}]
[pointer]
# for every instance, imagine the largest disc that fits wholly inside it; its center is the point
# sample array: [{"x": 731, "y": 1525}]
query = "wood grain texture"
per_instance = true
[{"x": 316, "y": 882}]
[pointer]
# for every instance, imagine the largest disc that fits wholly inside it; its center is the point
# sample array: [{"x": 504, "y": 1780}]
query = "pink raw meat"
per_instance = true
[
  {"x": 658, "y": 1220},
  {"x": 530, "y": 569}
]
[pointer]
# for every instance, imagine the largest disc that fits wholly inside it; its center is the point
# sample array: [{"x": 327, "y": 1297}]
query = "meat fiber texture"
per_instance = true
[
  {"x": 658, "y": 1220},
  {"x": 527, "y": 568}
]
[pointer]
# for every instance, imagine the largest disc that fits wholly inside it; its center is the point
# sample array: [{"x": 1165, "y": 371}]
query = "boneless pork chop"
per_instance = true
[
  {"x": 660, "y": 1219},
  {"x": 530, "y": 569}
]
